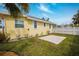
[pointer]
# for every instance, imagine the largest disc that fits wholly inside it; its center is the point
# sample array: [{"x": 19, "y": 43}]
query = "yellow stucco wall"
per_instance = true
[
  {"x": 14, "y": 32},
  {"x": 28, "y": 28}
]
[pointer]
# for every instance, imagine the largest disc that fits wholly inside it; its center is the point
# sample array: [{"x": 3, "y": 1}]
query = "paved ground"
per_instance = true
[{"x": 52, "y": 38}]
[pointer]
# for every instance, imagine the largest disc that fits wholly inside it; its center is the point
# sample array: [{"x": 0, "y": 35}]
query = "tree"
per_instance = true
[
  {"x": 16, "y": 9},
  {"x": 76, "y": 18}
]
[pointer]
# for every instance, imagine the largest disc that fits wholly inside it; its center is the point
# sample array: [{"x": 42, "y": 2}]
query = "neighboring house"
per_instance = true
[{"x": 24, "y": 26}]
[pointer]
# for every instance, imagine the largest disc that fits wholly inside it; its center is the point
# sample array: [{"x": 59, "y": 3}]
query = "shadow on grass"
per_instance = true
[
  {"x": 34, "y": 46},
  {"x": 70, "y": 46},
  {"x": 74, "y": 46},
  {"x": 16, "y": 46}
]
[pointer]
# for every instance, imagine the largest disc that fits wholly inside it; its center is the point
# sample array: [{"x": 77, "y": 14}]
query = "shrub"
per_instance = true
[
  {"x": 18, "y": 37},
  {"x": 4, "y": 38},
  {"x": 26, "y": 36},
  {"x": 48, "y": 32},
  {"x": 36, "y": 35}
]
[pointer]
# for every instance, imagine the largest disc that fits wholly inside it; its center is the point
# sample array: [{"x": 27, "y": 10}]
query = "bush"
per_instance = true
[
  {"x": 36, "y": 35},
  {"x": 48, "y": 32},
  {"x": 26, "y": 36},
  {"x": 4, "y": 38}
]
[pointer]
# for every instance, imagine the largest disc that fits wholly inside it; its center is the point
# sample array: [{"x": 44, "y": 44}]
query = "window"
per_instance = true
[
  {"x": 44, "y": 24},
  {"x": 35, "y": 24},
  {"x": 2, "y": 24},
  {"x": 19, "y": 24}
]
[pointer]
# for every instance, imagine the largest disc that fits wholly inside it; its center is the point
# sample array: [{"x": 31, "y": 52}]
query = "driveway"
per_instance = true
[{"x": 53, "y": 39}]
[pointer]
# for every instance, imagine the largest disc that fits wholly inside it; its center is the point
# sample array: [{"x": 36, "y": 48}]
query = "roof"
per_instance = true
[
  {"x": 38, "y": 19},
  {"x": 32, "y": 18}
]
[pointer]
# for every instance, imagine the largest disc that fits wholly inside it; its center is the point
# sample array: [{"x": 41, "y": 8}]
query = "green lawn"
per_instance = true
[{"x": 35, "y": 46}]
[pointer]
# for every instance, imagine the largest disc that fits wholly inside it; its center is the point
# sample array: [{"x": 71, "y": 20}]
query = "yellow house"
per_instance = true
[{"x": 24, "y": 26}]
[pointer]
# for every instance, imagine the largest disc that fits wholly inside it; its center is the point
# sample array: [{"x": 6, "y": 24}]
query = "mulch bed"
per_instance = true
[{"x": 8, "y": 54}]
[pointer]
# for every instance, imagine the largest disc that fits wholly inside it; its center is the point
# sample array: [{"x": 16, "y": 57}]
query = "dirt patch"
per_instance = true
[{"x": 8, "y": 54}]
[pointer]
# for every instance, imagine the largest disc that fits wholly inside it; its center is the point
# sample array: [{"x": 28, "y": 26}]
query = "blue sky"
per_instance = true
[{"x": 59, "y": 13}]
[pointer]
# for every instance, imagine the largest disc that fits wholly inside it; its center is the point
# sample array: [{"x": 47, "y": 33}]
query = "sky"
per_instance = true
[{"x": 59, "y": 13}]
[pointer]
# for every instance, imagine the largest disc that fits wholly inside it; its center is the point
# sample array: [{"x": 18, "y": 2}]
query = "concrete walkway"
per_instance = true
[{"x": 52, "y": 38}]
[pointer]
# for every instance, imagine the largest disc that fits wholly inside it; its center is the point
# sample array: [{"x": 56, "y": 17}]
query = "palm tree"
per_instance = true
[
  {"x": 16, "y": 9},
  {"x": 47, "y": 19}
]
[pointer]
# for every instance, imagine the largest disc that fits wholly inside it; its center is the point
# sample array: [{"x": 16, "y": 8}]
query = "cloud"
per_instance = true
[{"x": 42, "y": 7}]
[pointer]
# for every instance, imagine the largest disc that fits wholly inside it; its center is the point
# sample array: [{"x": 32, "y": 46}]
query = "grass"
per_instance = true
[{"x": 37, "y": 47}]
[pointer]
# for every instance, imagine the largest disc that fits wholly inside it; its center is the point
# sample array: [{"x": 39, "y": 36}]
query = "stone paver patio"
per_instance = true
[{"x": 54, "y": 39}]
